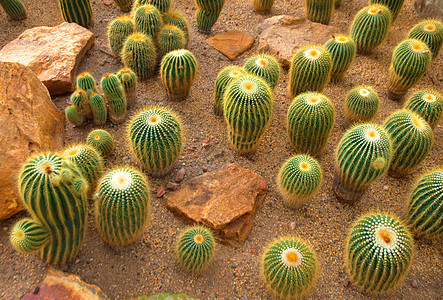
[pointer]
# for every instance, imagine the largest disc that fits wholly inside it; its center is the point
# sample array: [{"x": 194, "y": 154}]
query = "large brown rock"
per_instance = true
[
  {"x": 231, "y": 43},
  {"x": 284, "y": 35},
  {"x": 53, "y": 53},
  {"x": 29, "y": 123},
  {"x": 226, "y": 200}
]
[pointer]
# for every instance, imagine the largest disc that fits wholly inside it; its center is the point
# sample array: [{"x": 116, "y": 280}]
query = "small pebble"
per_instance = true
[
  {"x": 180, "y": 175},
  {"x": 233, "y": 266},
  {"x": 386, "y": 187},
  {"x": 414, "y": 283},
  {"x": 254, "y": 251},
  {"x": 206, "y": 143},
  {"x": 160, "y": 192},
  {"x": 36, "y": 290},
  {"x": 292, "y": 225},
  {"x": 205, "y": 169},
  {"x": 107, "y": 2},
  {"x": 172, "y": 186}
]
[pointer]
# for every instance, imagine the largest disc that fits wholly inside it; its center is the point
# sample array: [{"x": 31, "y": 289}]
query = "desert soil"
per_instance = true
[{"x": 149, "y": 265}]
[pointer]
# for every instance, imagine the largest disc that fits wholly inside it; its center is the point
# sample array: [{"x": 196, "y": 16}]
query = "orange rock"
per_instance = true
[{"x": 231, "y": 43}]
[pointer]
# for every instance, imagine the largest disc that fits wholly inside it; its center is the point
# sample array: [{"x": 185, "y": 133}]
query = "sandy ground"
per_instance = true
[{"x": 149, "y": 265}]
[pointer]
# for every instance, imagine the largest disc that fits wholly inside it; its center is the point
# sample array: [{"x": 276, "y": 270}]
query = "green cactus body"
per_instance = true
[
  {"x": 156, "y": 138},
  {"x": 264, "y": 66},
  {"x": 370, "y": 27},
  {"x": 139, "y": 54},
  {"x": 73, "y": 116},
  {"x": 393, "y": 5},
  {"x": 148, "y": 20},
  {"x": 378, "y": 254},
  {"x": 87, "y": 159},
  {"x": 320, "y": 11},
  {"x": 14, "y": 8},
  {"x": 122, "y": 206},
  {"x": 29, "y": 235},
  {"x": 424, "y": 211},
  {"x": 429, "y": 32},
  {"x": 124, "y": 5},
  {"x": 247, "y": 107},
  {"x": 361, "y": 104},
  {"x": 362, "y": 156},
  {"x": 262, "y": 5},
  {"x": 101, "y": 141},
  {"x": 310, "y": 120},
  {"x": 162, "y": 5},
  {"x": 428, "y": 104},
  {"x": 207, "y": 14},
  {"x": 86, "y": 82},
  {"x": 98, "y": 108},
  {"x": 410, "y": 60},
  {"x": 115, "y": 97},
  {"x": 412, "y": 139},
  {"x": 80, "y": 101},
  {"x": 170, "y": 38},
  {"x": 224, "y": 78},
  {"x": 77, "y": 11},
  {"x": 176, "y": 18},
  {"x": 310, "y": 70},
  {"x": 118, "y": 31},
  {"x": 289, "y": 267},
  {"x": 210, "y": 5},
  {"x": 129, "y": 81},
  {"x": 342, "y": 50},
  {"x": 195, "y": 248},
  {"x": 299, "y": 179},
  {"x": 53, "y": 191},
  {"x": 177, "y": 72}
]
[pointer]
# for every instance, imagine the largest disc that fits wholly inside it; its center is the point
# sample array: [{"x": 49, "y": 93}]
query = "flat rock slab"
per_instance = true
[
  {"x": 231, "y": 43},
  {"x": 283, "y": 35},
  {"x": 60, "y": 285},
  {"x": 225, "y": 200},
  {"x": 52, "y": 53},
  {"x": 29, "y": 123}
]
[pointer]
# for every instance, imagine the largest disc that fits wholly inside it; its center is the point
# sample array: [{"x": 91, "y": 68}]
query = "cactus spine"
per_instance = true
[
  {"x": 224, "y": 78},
  {"x": 429, "y": 32},
  {"x": 86, "y": 82},
  {"x": 77, "y": 11},
  {"x": 342, "y": 50},
  {"x": 87, "y": 159},
  {"x": 264, "y": 66},
  {"x": 124, "y": 5},
  {"x": 148, "y": 20},
  {"x": 14, "y": 9},
  {"x": 176, "y": 18},
  {"x": 428, "y": 104},
  {"x": 101, "y": 141},
  {"x": 162, "y": 5},
  {"x": 129, "y": 81},
  {"x": 170, "y": 38},
  {"x": 73, "y": 116},
  {"x": 320, "y": 11},
  {"x": 262, "y": 5},
  {"x": 29, "y": 235},
  {"x": 115, "y": 97},
  {"x": 207, "y": 14},
  {"x": 98, "y": 108},
  {"x": 393, "y": 5},
  {"x": 118, "y": 31},
  {"x": 139, "y": 54},
  {"x": 361, "y": 104}
]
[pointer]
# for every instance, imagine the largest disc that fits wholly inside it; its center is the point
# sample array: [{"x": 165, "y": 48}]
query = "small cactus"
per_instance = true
[
  {"x": 28, "y": 235},
  {"x": 361, "y": 104},
  {"x": 139, "y": 55},
  {"x": 162, "y": 5},
  {"x": 393, "y": 5},
  {"x": 342, "y": 50},
  {"x": 264, "y": 66},
  {"x": 170, "y": 38},
  {"x": 87, "y": 159},
  {"x": 119, "y": 30},
  {"x": 207, "y": 14},
  {"x": 101, "y": 141},
  {"x": 115, "y": 97},
  {"x": 428, "y": 104},
  {"x": 176, "y": 18},
  {"x": 129, "y": 81},
  {"x": 14, "y": 9},
  {"x": 320, "y": 11},
  {"x": 86, "y": 82},
  {"x": 98, "y": 108},
  {"x": 124, "y": 5},
  {"x": 73, "y": 116},
  {"x": 224, "y": 78},
  {"x": 262, "y": 5},
  {"x": 148, "y": 20},
  {"x": 378, "y": 253},
  {"x": 76, "y": 11},
  {"x": 289, "y": 267},
  {"x": 429, "y": 32},
  {"x": 80, "y": 101}
]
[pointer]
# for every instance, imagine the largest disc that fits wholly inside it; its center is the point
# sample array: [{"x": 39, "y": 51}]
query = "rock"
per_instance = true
[
  {"x": 231, "y": 43},
  {"x": 414, "y": 283},
  {"x": 225, "y": 200},
  {"x": 160, "y": 192},
  {"x": 180, "y": 175},
  {"x": 53, "y": 53},
  {"x": 29, "y": 123},
  {"x": 429, "y": 8},
  {"x": 293, "y": 225},
  {"x": 172, "y": 186},
  {"x": 60, "y": 285},
  {"x": 283, "y": 35}
]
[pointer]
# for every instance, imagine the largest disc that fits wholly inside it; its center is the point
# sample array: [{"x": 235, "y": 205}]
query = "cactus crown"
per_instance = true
[
  {"x": 124, "y": 19},
  {"x": 341, "y": 39}
]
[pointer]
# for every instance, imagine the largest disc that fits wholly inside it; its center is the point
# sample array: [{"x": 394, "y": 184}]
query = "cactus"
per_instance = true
[
  {"x": 262, "y": 5},
  {"x": 73, "y": 116},
  {"x": 310, "y": 120},
  {"x": 139, "y": 54},
  {"x": 53, "y": 191},
  {"x": 342, "y": 50},
  {"x": 207, "y": 14},
  {"x": 247, "y": 108},
  {"x": 379, "y": 250},
  {"x": 76, "y": 11},
  {"x": 87, "y": 159},
  {"x": 98, "y": 108},
  {"x": 119, "y": 30},
  {"x": 155, "y": 136},
  {"x": 320, "y": 11},
  {"x": 429, "y": 32},
  {"x": 14, "y": 9},
  {"x": 148, "y": 20},
  {"x": 162, "y": 5},
  {"x": 299, "y": 179},
  {"x": 170, "y": 38},
  {"x": 410, "y": 60},
  {"x": 176, "y": 18},
  {"x": 122, "y": 206},
  {"x": 362, "y": 156},
  {"x": 124, "y": 5},
  {"x": 289, "y": 267},
  {"x": 129, "y": 81},
  {"x": 224, "y": 78},
  {"x": 115, "y": 97},
  {"x": 195, "y": 248},
  {"x": 361, "y": 104},
  {"x": 264, "y": 66},
  {"x": 428, "y": 104},
  {"x": 412, "y": 139},
  {"x": 393, "y": 5},
  {"x": 370, "y": 27},
  {"x": 424, "y": 210},
  {"x": 86, "y": 82},
  {"x": 80, "y": 101},
  {"x": 310, "y": 70},
  {"x": 101, "y": 141}
]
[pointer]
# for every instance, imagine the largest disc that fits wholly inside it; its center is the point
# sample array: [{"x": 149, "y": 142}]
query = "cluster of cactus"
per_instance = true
[
  {"x": 128, "y": 79},
  {"x": 224, "y": 78},
  {"x": 429, "y": 32},
  {"x": 207, "y": 13},
  {"x": 124, "y": 5},
  {"x": 177, "y": 19},
  {"x": 87, "y": 159},
  {"x": 361, "y": 104},
  {"x": 320, "y": 11},
  {"x": 114, "y": 94},
  {"x": 76, "y": 11},
  {"x": 342, "y": 50},
  {"x": 101, "y": 141},
  {"x": 14, "y": 9},
  {"x": 163, "y": 6},
  {"x": 393, "y": 5},
  {"x": 264, "y": 66},
  {"x": 428, "y": 104},
  {"x": 262, "y": 5}
]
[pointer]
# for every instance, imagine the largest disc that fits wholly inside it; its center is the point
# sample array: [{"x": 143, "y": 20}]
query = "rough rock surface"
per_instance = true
[
  {"x": 53, "y": 53},
  {"x": 283, "y": 35},
  {"x": 429, "y": 8},
  {"x": 225, "y": 200},
  {"x": 231, "y": 43},
  {"x": 29, "y": 123}
]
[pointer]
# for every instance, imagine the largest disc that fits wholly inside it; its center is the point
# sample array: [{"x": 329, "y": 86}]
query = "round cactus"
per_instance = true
[
  {"x": 424, "y": 211},
  {"x": 101, "y": 141},
  {"x": 80, "y": 101},
  {"x": 264, "y": 66},
  {"x": 207, "y": 14},
  {"x": 86, "y": 82},
  {"x": 378, "y": 253},
  {"x": 87, "y": 159},
  {"x": 370, "y": 27},
  {"x": 128, "y": 79},
  {"x": 410, "y": 60},
  {"x": 429, "y": 32},
  {"x": 28, "y": 235},
  {"x": 289, "y": 267},
  {"x": 362, "y": 156},
  {"x": 195, "y": 248},
  {"x": 162, "y": 5},
  {"x": 299, "y": 179},
  {"x": 393, "y": 5},
  {"x": 428, "y": 104},
  {"x": 124, "y": 5},
  {"x": 310, "y": 120},
  {"x": 361, "y": 104},
  {"x": 118, "y": 31},
  {"x": 342, "y": 50},
  {"x": 98, "y": 108},
  {"x": 176, "y": 18},
  {"x": 14, "y": 9},
  {"x": 122, "y": 206},
  {"x": 148, "y": 20},
  {"x": 412, "y": 139},
  {"x": 320, "y": 11},
  {"x": 115, "y": 97},
  {"x": 139, "y": 54},
  {"x": 224, "y": 78},
  {"x": 73, "y": 116},
  {"x": 247, "y": 108},
  {"x": 76, "y": 11},
  {"x": 310, "y": 70},
  {"x": 177, "y": 72},
  {"x": 170, "y": 38},
  {"x": 262, "y": 5},
  {"x": 156, "y": 137}
]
